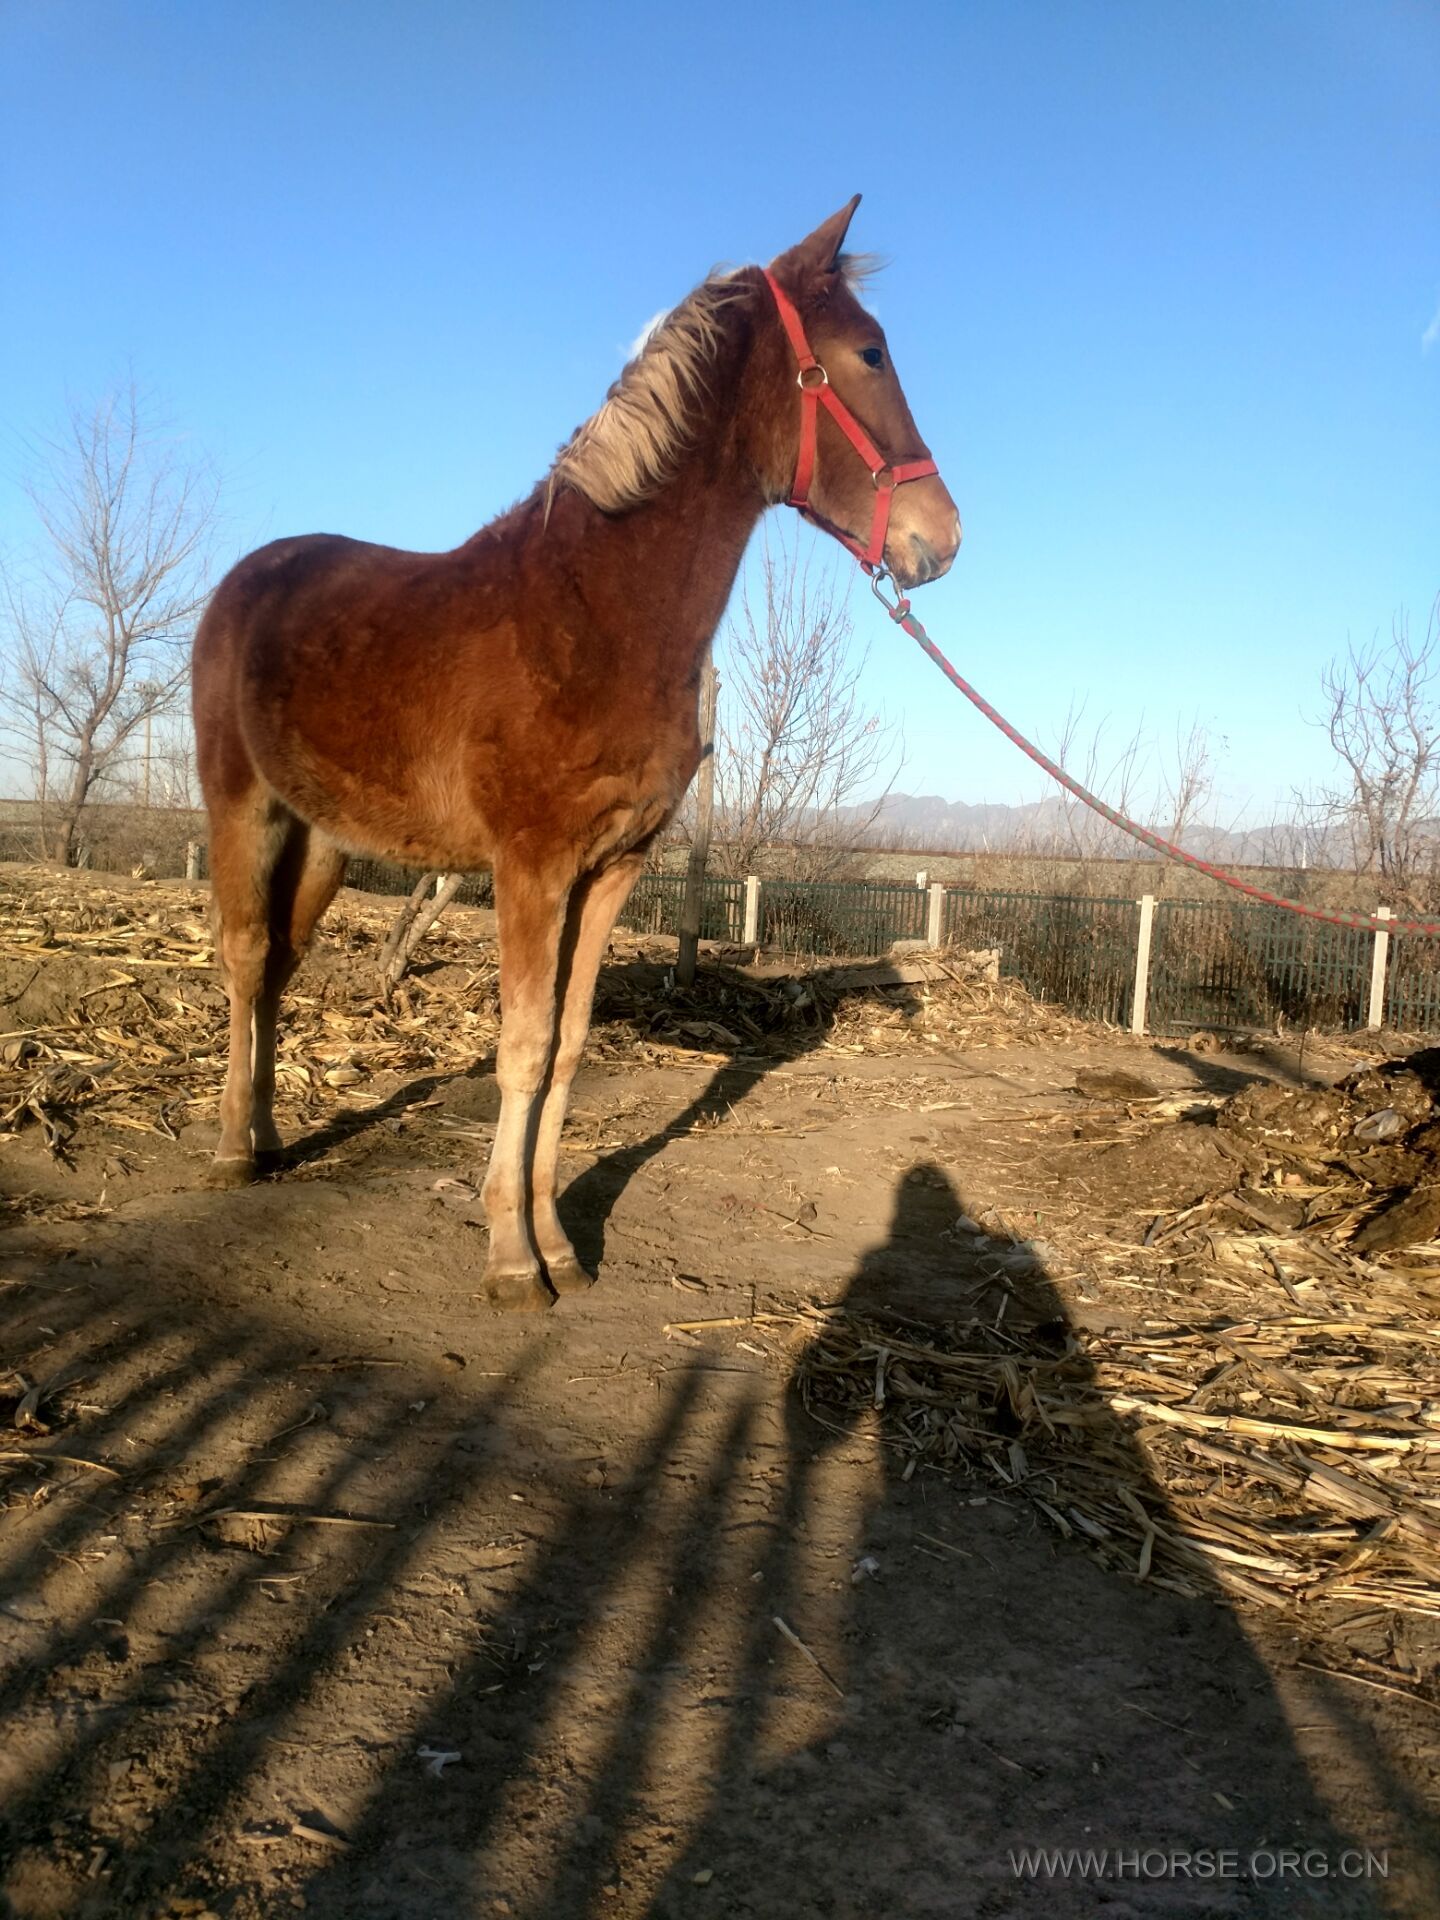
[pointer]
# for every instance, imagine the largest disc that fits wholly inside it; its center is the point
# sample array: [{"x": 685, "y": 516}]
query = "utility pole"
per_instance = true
[
  {"x": 150, "y": 691},
  {"x": 700, "y": 845}
]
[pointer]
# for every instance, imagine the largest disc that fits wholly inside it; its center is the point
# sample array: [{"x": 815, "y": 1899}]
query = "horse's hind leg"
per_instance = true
[{"x": 306, "y": 877}]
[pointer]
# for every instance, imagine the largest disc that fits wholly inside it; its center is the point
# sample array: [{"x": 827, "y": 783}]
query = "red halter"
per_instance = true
[{"x": 815, "y": 392}]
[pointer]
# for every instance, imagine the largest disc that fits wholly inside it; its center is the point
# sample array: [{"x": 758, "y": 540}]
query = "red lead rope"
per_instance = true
[
  {"x": 816, "y": 392},
  {"x": 900, "y": 613}
]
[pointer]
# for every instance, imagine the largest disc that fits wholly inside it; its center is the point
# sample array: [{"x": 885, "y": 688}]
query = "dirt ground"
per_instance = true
[{"x": 331, "y": 1590}]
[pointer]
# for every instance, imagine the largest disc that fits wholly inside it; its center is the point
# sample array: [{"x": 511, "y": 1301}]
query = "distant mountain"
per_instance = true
[{"x": 930, "y": 824}]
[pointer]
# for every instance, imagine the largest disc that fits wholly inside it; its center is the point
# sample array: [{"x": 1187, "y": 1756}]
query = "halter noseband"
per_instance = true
[{"x": 815, "y": 392}]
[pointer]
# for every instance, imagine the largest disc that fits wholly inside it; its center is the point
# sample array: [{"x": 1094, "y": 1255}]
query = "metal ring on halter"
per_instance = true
[
  {"x": 812, "y": 386},
  {"x": 884, "y": 486},
  {"x": 897, "y": 608}
]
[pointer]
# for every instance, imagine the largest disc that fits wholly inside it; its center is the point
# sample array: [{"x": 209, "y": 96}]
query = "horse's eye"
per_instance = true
[{"x": 872, "y": 356}]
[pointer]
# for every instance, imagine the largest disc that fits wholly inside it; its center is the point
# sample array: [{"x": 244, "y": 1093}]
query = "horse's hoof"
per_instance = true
[
  {"x": 568, "y": 1276},
  {"x": 230, "y": 1173},
  {"x": 522, "y": 1292}
]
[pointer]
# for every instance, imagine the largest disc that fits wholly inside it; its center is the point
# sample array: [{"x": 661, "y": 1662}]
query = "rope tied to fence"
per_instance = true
[{"x": 899, "y": 612}]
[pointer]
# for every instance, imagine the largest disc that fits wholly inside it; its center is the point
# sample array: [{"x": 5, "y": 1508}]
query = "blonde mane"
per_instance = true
[{"x": 629, "y": 448}]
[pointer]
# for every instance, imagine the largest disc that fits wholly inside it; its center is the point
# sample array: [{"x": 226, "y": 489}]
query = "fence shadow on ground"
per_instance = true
[{"x": 211, "y": 1700}]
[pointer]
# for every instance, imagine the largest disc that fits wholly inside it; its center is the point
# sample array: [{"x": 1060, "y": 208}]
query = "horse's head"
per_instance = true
[{"x": 843, "y": 446}]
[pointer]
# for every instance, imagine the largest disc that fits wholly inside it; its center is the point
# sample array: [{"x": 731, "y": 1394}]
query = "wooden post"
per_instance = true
[
  {"x": 922, "y": 880},
  {"x": 700, "y": 846},
  {"x": 1379, "y": 958},
  {"x": 1142, "y": 964},
  {"x": 935, "y": 920},
  {"x": 751, "y": 935},
  {"x": 192, "y": 859}
]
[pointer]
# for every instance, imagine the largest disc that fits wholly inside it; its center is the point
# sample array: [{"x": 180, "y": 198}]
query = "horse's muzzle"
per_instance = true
[{"x": 919, "y": 562}]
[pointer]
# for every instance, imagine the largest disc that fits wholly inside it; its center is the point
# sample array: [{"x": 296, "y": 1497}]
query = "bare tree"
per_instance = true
[
  {"x": 1112, "y": 773},
  {"x": 802, "y": 765},
  {"x": 1293, "y": 843},
  {"x": 1189, "y": 781},
  {"x": 159, "y": 769},
  {"x": 99, "y": 622},
  {"x": 1165, "y": 792},
  {"x": 1382, "y": 717},
  {"x": 429, "y": 897},
  {"x": 692, "y": 909}
]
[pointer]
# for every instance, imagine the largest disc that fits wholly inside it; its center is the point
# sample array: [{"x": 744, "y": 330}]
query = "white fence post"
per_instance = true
[
  {"x": 1379, "y": 959},
  {"x": 1142, "y": 964},
  {"x": 935, "y": 919},
  {"x": 922, "y": 880},
  {"x": 751, "y": 936},
  {"x": 192, "y": 859}
]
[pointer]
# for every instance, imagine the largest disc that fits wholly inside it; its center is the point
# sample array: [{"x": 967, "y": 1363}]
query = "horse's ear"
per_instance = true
[{"x": 820, "y": 253}]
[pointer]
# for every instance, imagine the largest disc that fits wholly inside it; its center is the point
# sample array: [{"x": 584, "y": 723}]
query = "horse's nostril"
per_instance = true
[{"x": 927, "y": 561}]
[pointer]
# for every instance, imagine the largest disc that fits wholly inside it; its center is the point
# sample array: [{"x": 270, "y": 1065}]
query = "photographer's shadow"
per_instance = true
[{"x": 1002, "y": 1690}]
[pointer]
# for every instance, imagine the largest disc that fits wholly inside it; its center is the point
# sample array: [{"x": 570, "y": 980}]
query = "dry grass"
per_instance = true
[
  {"x": 1295, "y": 1456},
  {"x": 135, "y": 1034}
]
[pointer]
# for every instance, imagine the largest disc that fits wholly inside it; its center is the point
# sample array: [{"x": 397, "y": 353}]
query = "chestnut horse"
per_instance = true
[{"x": 528, "y": 703}]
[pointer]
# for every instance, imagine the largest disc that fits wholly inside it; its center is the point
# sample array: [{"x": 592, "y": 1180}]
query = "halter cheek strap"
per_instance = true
[{"x": 816, "y": 392}]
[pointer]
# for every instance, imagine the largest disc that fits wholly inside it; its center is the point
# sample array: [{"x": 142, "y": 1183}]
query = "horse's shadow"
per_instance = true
[
  {"x": 352, "y": 1123},
  {"x": 626, "y": 997},
  {"x": 588, "y": 1202}
]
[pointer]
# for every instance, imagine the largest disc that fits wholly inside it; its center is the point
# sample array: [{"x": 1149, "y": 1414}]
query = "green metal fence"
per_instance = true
[
  {"x": 816, "y": 917},
  {"x": 1412, "y": 985},
  {"x": 389, "y": 877},
  {"x": 1230, "y": 965},
  {"x": 654, "y": 906},
  {"x": 1075, "y": 951},
  {"x": 1245, "y": 966}
]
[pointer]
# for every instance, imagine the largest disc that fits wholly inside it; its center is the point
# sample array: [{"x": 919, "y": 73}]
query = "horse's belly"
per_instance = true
[{"x": 420, "y": 814}]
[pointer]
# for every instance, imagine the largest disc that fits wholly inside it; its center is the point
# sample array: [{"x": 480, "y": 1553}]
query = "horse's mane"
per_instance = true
[{"x": 630, "y": 447}]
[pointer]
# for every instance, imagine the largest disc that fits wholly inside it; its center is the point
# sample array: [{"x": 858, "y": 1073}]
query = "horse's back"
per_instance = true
[
  {"x": 270, "y": 586},
  {"x": 320, "y": 673}
]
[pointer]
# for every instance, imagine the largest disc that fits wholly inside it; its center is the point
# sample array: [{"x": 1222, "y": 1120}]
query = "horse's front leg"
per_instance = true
[
  {"x": 594, "y": 907},
  {"x": 531, "y": 915}
]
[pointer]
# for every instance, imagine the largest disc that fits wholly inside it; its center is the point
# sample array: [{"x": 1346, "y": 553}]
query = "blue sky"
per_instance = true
[{"x": 1161, "y": 277}]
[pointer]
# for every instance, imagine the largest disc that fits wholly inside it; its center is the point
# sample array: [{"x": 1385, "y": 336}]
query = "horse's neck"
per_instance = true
[
  {"x": 677, "y": 554},
  {"x": 655, "y": 578}
]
